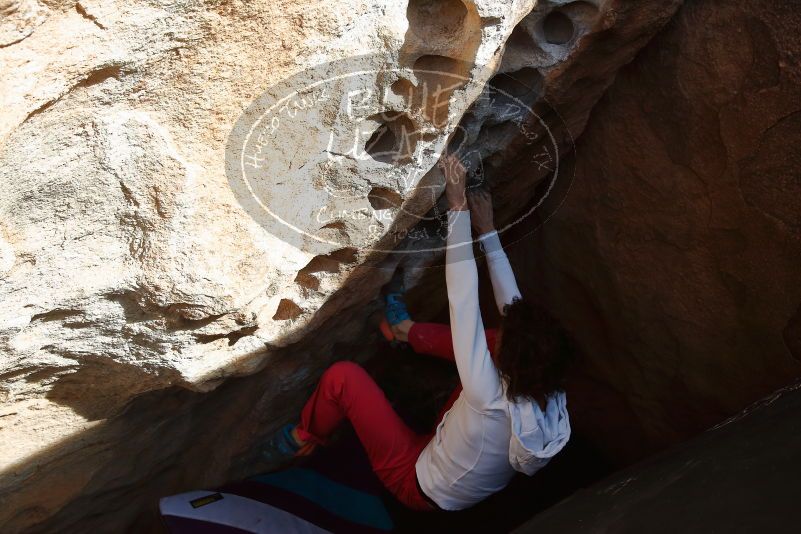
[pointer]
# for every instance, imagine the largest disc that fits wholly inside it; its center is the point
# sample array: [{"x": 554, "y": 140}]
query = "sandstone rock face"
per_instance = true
[
  {"x": 675, "y": 258},
  {"x": 130, "y": 266}
]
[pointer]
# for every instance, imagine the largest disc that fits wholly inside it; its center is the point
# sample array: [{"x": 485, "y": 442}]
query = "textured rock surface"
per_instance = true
[
  {"x": 127, "y": 263},
  {"x": 675, "y": 258},
  {"x": 128, "y": 266},
  {"x": 750, "y": 464},
  {"x": 115, "y": 204}
]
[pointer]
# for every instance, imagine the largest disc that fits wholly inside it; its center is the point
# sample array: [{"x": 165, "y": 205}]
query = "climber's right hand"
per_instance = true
[
  {"x": 455, "y": 181},
  {"x": 481, "y": 213}
]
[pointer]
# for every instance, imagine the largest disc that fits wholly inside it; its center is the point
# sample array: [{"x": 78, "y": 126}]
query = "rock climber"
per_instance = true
[{"x": 509, "y": 413}]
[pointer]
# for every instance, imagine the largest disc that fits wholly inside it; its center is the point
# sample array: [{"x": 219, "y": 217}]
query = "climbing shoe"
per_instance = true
[
  {"x": 395, "y": 310},
  {"x": 386, "y": 330},
  {"x": 282, "y": 447}
]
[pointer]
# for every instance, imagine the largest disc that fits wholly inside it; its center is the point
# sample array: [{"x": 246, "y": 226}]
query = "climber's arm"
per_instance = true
[
  {"x": 477, "y": 373},
  {"x": 504, "y": 285}
]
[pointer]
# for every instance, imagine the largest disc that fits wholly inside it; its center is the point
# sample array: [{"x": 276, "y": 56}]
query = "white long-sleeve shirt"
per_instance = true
[
  {"x": 504, "y": 285},
  {"x": 483, "y": 438}
]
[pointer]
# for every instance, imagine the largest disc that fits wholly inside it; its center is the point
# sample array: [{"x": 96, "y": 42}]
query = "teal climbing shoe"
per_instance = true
[
  {"x": 282, "y": 447},
  {"x": 395, "y": 311}
]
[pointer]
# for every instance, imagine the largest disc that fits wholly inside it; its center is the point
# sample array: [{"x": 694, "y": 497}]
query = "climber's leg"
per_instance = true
[
  {"x": 435, "y": 339},
  {"x": 347, "y": 391}
]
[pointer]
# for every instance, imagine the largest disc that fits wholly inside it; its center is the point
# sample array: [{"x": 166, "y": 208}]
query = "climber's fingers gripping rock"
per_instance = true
[
  {"x": 481, "y": 214},
  {"x": 455, "y": 181}
]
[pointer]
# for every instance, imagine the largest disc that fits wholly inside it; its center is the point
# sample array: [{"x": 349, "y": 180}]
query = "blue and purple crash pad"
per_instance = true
[{"x": 332, "y": 492}]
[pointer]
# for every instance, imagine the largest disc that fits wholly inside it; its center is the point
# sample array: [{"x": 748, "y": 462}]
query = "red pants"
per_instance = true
[{"x": 347, "y": 391}]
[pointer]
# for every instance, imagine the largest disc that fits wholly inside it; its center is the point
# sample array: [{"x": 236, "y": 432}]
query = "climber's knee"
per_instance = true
[{"x": 344, "y": 371}]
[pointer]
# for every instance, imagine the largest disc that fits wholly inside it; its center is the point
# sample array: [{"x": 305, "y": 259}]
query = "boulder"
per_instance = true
[
  {"x": 674, "y": 259},
  {"x": 750, "y": 464},
  {"x": 142, "y": 271}
]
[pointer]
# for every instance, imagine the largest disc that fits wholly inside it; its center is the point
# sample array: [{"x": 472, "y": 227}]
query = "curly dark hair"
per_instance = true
[{"x": 535, "y": 352}]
